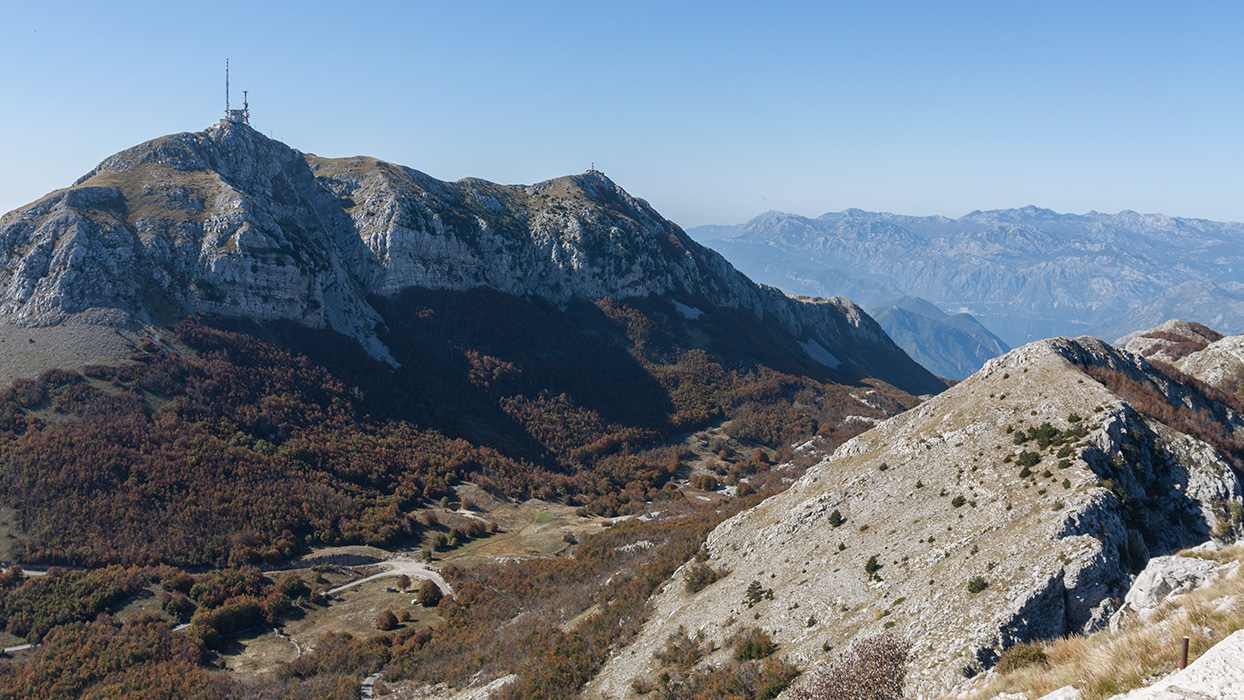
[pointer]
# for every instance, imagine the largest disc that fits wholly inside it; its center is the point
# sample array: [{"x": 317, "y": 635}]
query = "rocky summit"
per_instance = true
[
  {"x": 229, "y": 222},
  {"x": 1017, "y": 505},
  {"x": 1195, "y": 350}
]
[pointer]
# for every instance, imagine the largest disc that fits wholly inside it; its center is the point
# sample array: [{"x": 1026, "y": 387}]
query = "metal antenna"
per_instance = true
[
  {"x": 226, "y": 86},
  {"x": 246, "y": 109}
]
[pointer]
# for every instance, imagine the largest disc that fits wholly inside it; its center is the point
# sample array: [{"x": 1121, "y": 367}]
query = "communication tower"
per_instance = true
[{"x": 235, "y": 116}]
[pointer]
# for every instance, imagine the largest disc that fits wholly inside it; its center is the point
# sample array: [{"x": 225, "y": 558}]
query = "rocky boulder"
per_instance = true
[
  {"x": 1218, "y": 675},
  {"x": 1164, "y": 577}
]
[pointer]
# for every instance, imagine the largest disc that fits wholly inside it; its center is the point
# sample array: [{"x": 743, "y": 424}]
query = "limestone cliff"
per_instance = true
[
  {"x": 1016, "y": 505},
  {"x": 227, "y": 221}
]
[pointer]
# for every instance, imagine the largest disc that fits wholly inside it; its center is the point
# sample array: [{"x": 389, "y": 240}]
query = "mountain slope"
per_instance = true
[
  {"x": 227, "y": 221},
  {"x": 948, "y": 345},
  {"x": 552, "y": 339},
  {"x": 1195, "y": 350},
  {"x": 1025, "y": 273},
  {"x": 1048, "y": 478}
]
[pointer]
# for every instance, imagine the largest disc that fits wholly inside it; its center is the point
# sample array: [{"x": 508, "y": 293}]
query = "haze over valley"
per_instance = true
[{"x": 490, "y": 412}]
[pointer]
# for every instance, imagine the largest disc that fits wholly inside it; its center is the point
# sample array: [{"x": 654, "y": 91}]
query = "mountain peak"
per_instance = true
[{"x": 228, "y": 221}]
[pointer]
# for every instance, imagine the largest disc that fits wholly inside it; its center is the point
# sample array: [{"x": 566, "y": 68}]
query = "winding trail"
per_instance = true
[
  {"x": 369, "y": 687},
  {"x": 291, "y": 640},
  {"x": 410, "y": 567}
]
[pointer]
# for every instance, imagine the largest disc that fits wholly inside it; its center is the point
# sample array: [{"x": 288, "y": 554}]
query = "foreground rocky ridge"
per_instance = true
[
  {"x": 1015, "y": 506},
  {"x": 227, "y": 221}
]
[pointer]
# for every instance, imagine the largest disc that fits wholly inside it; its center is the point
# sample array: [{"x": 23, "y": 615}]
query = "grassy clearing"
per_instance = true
[
  {"x": 353, "y": 611},
  {"x": 534, "y": 529},
  {"x": 1105, "y": 663},
  {"x": 10, "y": 640}
]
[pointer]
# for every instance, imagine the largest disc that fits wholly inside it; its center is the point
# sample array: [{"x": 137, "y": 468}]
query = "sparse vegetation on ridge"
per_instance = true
[{"x": 1107, "y": 663}]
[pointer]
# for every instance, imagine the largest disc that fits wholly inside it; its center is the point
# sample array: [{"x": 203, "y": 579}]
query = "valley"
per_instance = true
[
  {"x": 1026, "y": 274},
  {"x": 277, "y": 425}
]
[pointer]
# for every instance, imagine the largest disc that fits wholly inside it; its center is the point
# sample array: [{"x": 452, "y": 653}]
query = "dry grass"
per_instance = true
[
  {"x": 1105, "y": 663},
  {"x": 530, "y": 530},
  {"x": 1233, "y": 553},
  {"x": 352, "y": 611}
]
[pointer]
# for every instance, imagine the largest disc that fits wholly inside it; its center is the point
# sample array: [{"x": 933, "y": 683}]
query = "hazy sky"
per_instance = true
[{"x": 712, "y": 111}]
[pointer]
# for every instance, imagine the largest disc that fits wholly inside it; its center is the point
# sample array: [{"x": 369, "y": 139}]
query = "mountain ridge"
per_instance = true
[
  {"x": 1025, "y": 273},
  {"x": 227, "y": 221},
  {"x": 1015, "y": 506},
  {"x": 950, "y": 345}
]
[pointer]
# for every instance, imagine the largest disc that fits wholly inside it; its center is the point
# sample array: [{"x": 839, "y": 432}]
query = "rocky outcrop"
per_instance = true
[
  {"x": 1195, "y": 350},
  {"x": 1170, "y": 341},
  {"x": 227, "y": 221},
  {"x": 1219, "y": 364},
  {"x": 1164, "y": 577},
  {"x": 1017, "y": 505}
]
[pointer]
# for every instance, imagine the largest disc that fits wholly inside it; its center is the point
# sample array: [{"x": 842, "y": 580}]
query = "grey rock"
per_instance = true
[
  {"x": 1217, "y": 675},
  {"x": 227, "y": 221},
  {"x": 1066, "y": 692},
  {"x": 1164, "y": 577}
]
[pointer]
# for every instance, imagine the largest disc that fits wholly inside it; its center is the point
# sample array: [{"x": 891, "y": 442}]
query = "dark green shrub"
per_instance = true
[
  {"x": 756, "y": 592},
  {"x": 977, "y": 584},
  {"x": 835, "y": 518},
  {"x": 958, "y": 501},
  {"x": 1028, "y": 459}
]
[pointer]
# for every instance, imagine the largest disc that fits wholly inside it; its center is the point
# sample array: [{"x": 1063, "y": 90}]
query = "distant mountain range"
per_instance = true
[
  {"x": 1025, "y": 273},
  {"x": 949, "y": 345}
]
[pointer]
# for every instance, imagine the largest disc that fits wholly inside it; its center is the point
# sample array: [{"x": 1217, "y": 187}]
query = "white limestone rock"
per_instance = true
[
  {"x": 1217, "y": 675},
  {"x": 227, "y": 221},
  {"x": 1163, "y": 578}
]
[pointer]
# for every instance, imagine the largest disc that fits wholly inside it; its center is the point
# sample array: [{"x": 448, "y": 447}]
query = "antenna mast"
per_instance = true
[{"x": 235, "y": 116}]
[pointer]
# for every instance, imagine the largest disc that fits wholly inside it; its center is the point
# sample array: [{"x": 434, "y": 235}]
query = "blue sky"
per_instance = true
[{"x": 712, "y": 111}]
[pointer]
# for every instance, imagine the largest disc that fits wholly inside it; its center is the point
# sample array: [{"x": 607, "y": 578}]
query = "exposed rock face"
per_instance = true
[
  {"x": 1054, "y": 520},
  {"x": 1220, "y": 364},
  {"x": 1164, "y": 577},
  {"x": 1194, "y": 350},
  {"x": 228, "y": 221},
  {"x": 1169, "y": 342}
]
